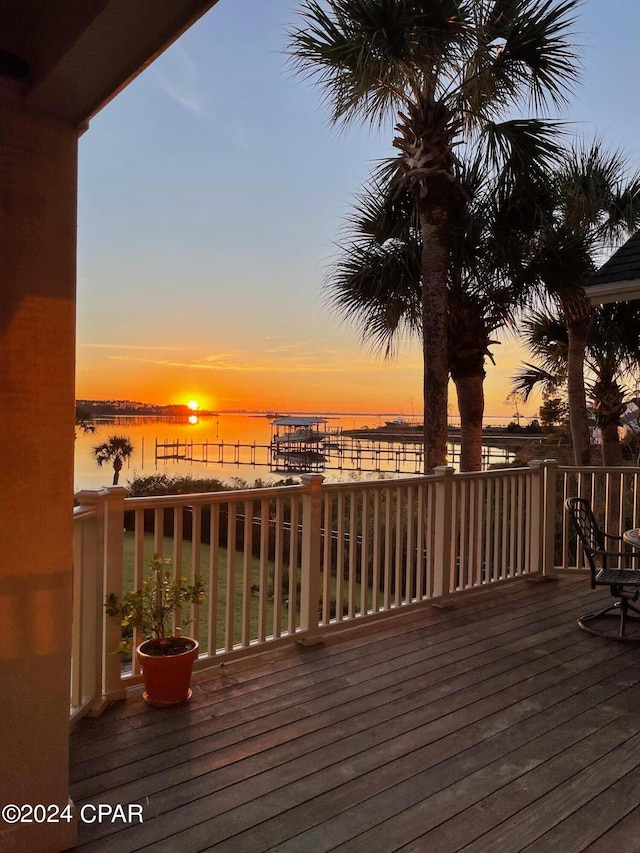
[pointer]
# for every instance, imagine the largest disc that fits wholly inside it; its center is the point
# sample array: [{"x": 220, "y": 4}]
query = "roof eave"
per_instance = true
[{"x": 614, "y": 291}]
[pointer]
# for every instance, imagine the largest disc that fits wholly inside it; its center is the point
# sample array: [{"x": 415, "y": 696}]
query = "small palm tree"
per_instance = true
[
  {"x": 117, "y": 449},
  {"x": 84, "y": 419}
]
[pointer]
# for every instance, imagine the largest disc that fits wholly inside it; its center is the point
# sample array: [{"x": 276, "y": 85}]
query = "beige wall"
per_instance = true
[{"x": 38, "y": 178}]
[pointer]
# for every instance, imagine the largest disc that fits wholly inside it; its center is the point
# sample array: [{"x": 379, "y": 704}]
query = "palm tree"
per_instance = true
[
  {"x": 610, "y": 358},
  {"x": 84, "y": 419},
  {"x": 587, "y": 203},
  {"x": 444, "y": 72},
  {"x": 117, "y": 449},
  {"x": 375, "y": 285}
]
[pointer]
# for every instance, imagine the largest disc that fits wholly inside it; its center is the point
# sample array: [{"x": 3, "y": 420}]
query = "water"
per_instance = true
[{"x": 146, "y": 433}]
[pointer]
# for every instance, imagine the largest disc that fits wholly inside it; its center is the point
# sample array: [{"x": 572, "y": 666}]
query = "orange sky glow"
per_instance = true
[{"x": 353, "y": 381}]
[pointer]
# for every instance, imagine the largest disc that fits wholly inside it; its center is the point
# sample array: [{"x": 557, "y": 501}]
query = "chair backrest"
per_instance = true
[{"x": 589, "y": 533}]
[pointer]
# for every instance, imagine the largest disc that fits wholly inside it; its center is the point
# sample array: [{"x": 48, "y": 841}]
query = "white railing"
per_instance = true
[
  {"x": 615, "y": 497},
  {"x": 290, "y": 563}
]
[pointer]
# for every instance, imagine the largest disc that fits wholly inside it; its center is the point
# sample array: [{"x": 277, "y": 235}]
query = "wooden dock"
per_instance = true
[{"x": 346, "y": 452}]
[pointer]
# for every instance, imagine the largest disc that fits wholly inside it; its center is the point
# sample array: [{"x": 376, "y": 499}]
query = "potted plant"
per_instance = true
[{"x": 166, "y": 658}]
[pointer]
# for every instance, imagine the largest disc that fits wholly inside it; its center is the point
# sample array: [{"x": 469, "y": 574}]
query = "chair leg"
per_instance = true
[
  {"x": 631, "y": 607},
  {"x": 623, "y": 616},
  {"x": 620, "y": 609}
]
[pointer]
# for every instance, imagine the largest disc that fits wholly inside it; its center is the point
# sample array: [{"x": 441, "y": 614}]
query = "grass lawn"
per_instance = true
[
  {"x": 238, "y": 581},
  {"x": 251, "y": 612}
]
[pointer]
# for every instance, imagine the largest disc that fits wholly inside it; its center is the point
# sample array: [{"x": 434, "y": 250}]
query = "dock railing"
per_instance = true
[{"x": 291, "y": 563}]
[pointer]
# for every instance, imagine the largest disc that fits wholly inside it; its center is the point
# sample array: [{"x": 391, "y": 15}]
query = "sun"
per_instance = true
[{"x": 194, "y": 405}]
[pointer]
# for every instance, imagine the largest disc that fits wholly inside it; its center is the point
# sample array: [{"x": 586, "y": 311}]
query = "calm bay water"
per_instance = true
[
  {"x": 144, "y": 432},
  {"x": 147, "y": 433}
]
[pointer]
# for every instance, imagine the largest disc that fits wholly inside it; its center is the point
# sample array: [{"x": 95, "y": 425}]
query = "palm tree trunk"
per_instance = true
[
  {"x": 470, "y": 391},
  {"x": 611, "y": 449},
  {"x": 609, "y": 405},
  {"x": 577, "y": 313},
  {"x": 434, "y": 221}
]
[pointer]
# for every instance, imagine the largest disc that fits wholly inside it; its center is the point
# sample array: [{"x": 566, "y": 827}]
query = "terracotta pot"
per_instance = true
[{"x": 167, "y": 677}]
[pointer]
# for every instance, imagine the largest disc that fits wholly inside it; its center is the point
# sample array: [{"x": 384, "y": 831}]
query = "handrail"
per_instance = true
[
  {"x": 237, "y": 495},
  {"x": 81, "y": 513}
]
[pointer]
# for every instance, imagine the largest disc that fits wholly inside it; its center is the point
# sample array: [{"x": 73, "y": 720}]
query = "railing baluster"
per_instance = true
[
  {"x": 176, "y": 552},
  {"x": 397, "y": 597},
  {"x": 387, "y": 550},
  {"x": 327, "y": 559},
  {"x": 521, "y": 526},
  {"x": 158, "y": 530},
  {"x": 375, "y": 575},
  {"x": 353, "y": 541},
  {"x": 477, "y": 532},
  {"x": 364, "y": 554},
  {"x": 294, "y": 556},
  {"x": 340, "y": 546},
  {"x": 229, "y": 638},
  {"x": 195, "y": 570},
  {"x": 264, "y": 572},
  {"x": 212, "y": 586},
  {"x": 247, "y": 555},
  {"x": 278, "y": 591},
  {"x": 421, "y": 527},
  {"x": 410, "y": 562}
]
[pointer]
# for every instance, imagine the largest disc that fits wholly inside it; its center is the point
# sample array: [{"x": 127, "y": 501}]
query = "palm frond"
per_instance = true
[
  {"x": 533, "y": 377},
  {"x": 370, "y": 56},
  {"x": 536, "y": 56},
  {"x": 520, "y": 148},
  {"x": 522, "y": 54}
]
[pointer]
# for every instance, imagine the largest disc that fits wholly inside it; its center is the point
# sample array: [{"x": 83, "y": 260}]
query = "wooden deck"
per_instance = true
[{"x": 494, "y": 726}]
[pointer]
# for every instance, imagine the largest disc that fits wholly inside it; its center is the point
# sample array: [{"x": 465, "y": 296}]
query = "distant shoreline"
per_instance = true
[{"x": 111, "y": 408}]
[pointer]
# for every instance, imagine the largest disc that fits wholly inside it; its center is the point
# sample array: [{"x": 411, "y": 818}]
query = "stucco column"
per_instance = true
[{"x": 38, "y": 178}]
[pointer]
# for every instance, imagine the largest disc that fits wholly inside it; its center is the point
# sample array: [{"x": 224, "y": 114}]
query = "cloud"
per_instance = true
[
  {"x": 178, "y": 77},
  {"x": 247, "y": 362},
  {"x": 95, "y": 345}
]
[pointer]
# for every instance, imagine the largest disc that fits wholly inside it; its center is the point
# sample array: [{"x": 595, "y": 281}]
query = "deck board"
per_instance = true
[{"x": 495, "y": 725}]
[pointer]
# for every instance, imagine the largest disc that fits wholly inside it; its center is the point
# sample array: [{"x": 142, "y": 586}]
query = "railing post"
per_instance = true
[
  {"x": 311, "y": 559},
  {"x": 442, "y": 533},
  {"x": 543, "y": 515},
  {"x": 86, "y": 651},
  {"x": 88, "y": 609},
  {"x": 109, "y": 505},
  {"x": 536, "y": 519}
]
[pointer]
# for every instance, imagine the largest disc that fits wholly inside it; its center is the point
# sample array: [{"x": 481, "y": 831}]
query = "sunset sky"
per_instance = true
[{"x": 211, "y": 193}]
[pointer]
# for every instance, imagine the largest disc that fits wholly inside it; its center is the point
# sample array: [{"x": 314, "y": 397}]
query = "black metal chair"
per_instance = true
[{"x": 623, "y": 583}]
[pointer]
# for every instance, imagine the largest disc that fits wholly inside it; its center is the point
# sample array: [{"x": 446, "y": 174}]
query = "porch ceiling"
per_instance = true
[{"x": 73, "y": 56}]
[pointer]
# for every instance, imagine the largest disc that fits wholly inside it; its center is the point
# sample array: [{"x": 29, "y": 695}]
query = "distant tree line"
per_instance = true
[{"x": 95, "y": 408}]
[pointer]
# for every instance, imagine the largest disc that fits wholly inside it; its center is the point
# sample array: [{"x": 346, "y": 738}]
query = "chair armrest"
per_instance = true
[
  {"x": 613, "y": 536},
  {"x": 634, "y": 555}
]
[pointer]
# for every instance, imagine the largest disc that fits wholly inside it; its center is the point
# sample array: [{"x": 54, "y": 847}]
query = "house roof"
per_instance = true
[{"x": 618, "y": 279}]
